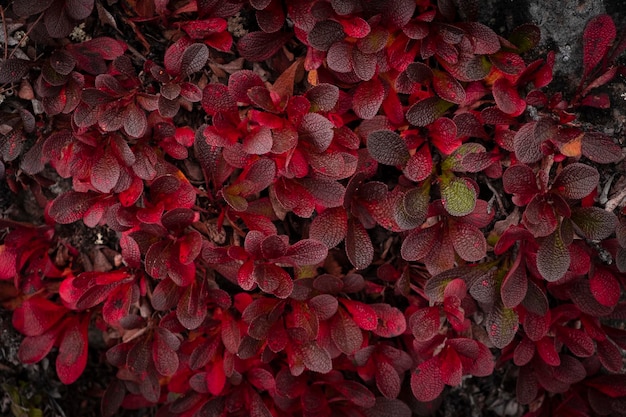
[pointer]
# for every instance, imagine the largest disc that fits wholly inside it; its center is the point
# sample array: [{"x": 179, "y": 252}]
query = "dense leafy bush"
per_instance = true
[{"x": 342, "y": 211}]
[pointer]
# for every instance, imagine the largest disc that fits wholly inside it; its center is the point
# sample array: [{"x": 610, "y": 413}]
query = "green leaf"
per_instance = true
[{"x": 458, "y": 196}]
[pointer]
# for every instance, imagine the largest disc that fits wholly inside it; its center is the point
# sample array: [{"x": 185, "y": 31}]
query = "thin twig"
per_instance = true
[
  {"x": 6, "y": 33},
  {"x": 613, "y": 203},
  {"x": 496, "y": 195},
  {"x": 25, "y": 37}
]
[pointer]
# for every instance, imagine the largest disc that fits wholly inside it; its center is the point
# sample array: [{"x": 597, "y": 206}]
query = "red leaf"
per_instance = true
[
  {"x": 508, "y": 62},
  {"x": 610, "y": 356},
  {"x": 105, "y": 173},
  {"x": 524, "y": 352},
  {"x": 447, "y": 87},
  {"x": 364, "y": 65},
  {"x": 339, "y": 57},
  {"x": 36, "y": 315},
  {"x": 418, "y": 244},
  {"x": 35, "y": 348},
  {"x": 79, "y": 9},
  {"x": 425, "y": 323},
  {"x": 323, "y": 97},
  {"x": 577, "y": 341},
  {"x": 605, "y": 287},
  {"x": 451, "y": 368},
  {"x": 273, "y": 279},
  {"x": 387, "y": 380},
  {"x": 507, "y": 98},
  {"x": 13, "y": 70},
  {"x": 345, "y": 333},
  {"x": 426, "y": 382},
  {"x": 598, "y": 36},
  {"x": 241, "y": 82},
  {"x": 217, "y": 98},
  {"x": 468, "y": 241},
  {"x": 547, "y": 351},
  {"x": 600, "y": 148},
  {"x": 368, "y": 97},
  {"x": 484, "y": 39},
  {"x": 363, "y": 314},
  {"x": 391, "y": 321},
  {"x": 72, "y": 357}
]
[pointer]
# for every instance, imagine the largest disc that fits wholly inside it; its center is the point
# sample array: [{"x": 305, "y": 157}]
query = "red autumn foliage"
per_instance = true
[{"x": 350, "y": 208}]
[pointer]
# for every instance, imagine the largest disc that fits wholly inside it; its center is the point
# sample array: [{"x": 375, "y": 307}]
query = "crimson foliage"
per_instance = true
[{"x": 248, "y": 276}]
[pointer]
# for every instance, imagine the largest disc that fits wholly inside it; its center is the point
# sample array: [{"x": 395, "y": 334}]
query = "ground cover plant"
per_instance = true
[{"x": 309, "y": 208}]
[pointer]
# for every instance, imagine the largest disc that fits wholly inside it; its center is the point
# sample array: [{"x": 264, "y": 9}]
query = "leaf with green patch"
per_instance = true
[
  {"x": 593, "y": 222},
  {"x": 553, "y": 258},
  {"x": 502, "y": 324},
  {"x": 426, "y": 111},
  {"x": 458, "y": 196}
]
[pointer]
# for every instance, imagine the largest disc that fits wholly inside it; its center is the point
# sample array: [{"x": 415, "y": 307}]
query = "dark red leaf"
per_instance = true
[
  {"x": 576, "y": 181},
  {"x": 12, "y": 70},
  {"x": 426, "y": 111},
  {"x": 359, "y": 246},
  {"x": 356, "y": 393},
  {"x": 387, "y": 147},
  {"x": 317, "y": 129},
  {"x": 315, "y": 358},
  {"x": 553, "y": 257},
  {"x": 330, "y": 226},
  {"x": 323, "y": 97},
  {"x": 307, "y": 252},
  {"x": 72, "y": 206},
  {"x": 194, "y": 58},
  {"x": 324, "y": 34},
  {"x": 259, "y": 46}
]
